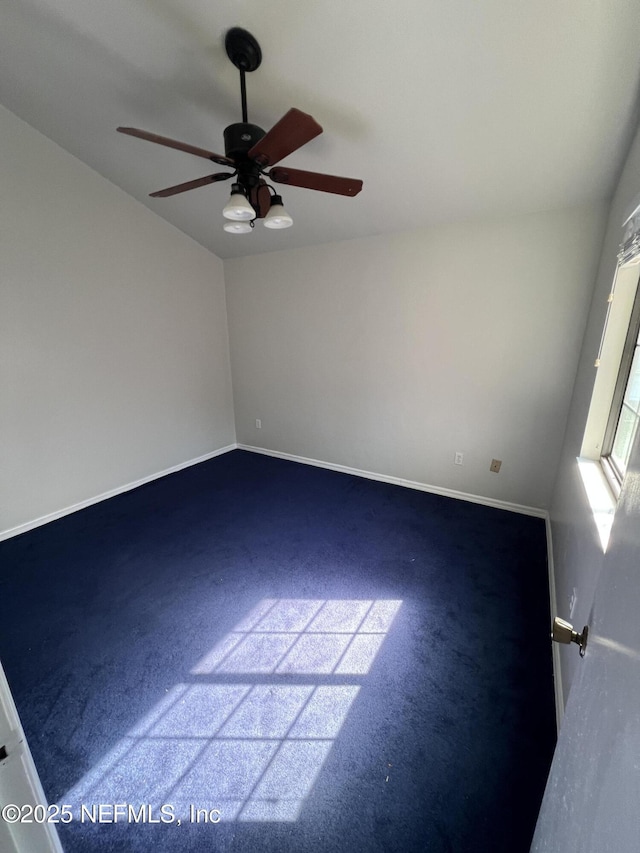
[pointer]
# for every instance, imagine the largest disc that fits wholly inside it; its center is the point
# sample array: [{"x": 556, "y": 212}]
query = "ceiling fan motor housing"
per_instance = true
[{"x": 240, "y": 138}]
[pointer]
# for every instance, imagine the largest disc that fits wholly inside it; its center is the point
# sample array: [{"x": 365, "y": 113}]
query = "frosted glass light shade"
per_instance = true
[
  {"x": 277, "y": 216},
  {"x": 238, "y": 227},
  {"x": 238, "y": 207}
]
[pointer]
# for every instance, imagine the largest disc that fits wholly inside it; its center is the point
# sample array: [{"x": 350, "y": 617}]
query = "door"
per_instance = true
[
  {"x": 20, "y": 787},
  {"x": 592, "y": 800}
]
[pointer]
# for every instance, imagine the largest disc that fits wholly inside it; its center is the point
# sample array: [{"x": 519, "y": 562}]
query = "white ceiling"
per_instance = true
[{"x": 447, "y": 109}]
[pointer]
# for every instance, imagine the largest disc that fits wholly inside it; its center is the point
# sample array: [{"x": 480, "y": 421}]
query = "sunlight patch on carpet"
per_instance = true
[{"x": 238, "y": 737}]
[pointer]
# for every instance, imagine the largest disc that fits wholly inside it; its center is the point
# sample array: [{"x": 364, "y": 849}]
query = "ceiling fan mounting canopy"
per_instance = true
[
  {"x": 249, "y": 150},
  {"x": 242, "y": 49}
]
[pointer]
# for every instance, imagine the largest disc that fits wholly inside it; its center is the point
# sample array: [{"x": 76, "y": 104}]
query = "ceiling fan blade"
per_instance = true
[
  {"x": 179, "y": 146},
  {"x": 316, "y": 181},
  {"x": 294, "y": 130},
  {"x": 192, "y": 185},
  {"x": 260, "y": 198}
]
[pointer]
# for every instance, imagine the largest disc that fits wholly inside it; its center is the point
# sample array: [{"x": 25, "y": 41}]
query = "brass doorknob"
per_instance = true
[{"x": 562, "y": 632}]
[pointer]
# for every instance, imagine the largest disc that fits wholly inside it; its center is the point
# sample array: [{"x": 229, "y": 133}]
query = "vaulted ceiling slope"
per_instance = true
[{"x": 448, "y": 111}]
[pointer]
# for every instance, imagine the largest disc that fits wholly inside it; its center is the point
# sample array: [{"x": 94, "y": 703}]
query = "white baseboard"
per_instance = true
[
  {"x": 555, "y": 648},
  {"x": 399, "y": 481},
  {"x": 345, "y": 469},
  {"x": 52, "y": 516}
]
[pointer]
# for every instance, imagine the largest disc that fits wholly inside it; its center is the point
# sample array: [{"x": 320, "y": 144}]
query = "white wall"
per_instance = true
[
  {"x": 391, "y": 353},
  {"x": 113, "y": 338},
  {"x": 576, "y": 546}
]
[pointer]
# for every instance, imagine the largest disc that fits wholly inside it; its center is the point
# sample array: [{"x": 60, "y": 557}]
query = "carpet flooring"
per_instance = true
[{"x": 258, "y": 655}]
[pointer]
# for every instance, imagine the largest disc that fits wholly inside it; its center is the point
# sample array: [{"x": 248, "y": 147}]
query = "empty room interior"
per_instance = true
[{"x": 320, "y": 387}]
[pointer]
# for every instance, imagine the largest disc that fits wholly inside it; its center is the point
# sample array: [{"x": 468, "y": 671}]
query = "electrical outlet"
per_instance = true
[
  {"x": 457, "y": 459},
  {"x": 495, "y": 465},
  {"x": 572, "y": 602},
  {"x": 258, "y": 423}
]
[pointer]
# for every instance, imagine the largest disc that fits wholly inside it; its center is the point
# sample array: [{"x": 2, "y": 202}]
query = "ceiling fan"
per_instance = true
[{"x": 253, "y": 153}]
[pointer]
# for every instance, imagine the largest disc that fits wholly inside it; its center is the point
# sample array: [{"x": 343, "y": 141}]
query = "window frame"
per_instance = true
[
  {"x": 600, "y": 479},
  {"x": 611, "y": 470}
]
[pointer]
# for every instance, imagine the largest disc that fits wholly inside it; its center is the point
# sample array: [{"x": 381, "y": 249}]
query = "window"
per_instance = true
[
  {"x": 624, "y": 415},
  {"x": 613, "y": 420}
]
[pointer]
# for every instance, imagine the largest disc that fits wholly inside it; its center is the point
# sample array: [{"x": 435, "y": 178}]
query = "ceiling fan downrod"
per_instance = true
[
  {"x": 243, "y": 96},
  {"x": 244, "y": 51}
]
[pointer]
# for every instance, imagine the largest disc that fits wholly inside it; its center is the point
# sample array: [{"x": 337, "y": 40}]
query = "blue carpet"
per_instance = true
[{"x": 316, "y": 661}]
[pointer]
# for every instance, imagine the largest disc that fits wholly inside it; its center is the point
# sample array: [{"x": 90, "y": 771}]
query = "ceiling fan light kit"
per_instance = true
[
  {"x": 238, "y": 227},
  {"x": 238, "y": 206},
  {"x": 251, "y": 152},
  {"x": 277, "y": 216}
]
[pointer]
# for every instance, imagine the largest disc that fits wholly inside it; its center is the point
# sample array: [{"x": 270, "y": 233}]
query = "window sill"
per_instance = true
[
  {"x": 601, "y": 499},
  {"x": 610, "y": 477}
]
